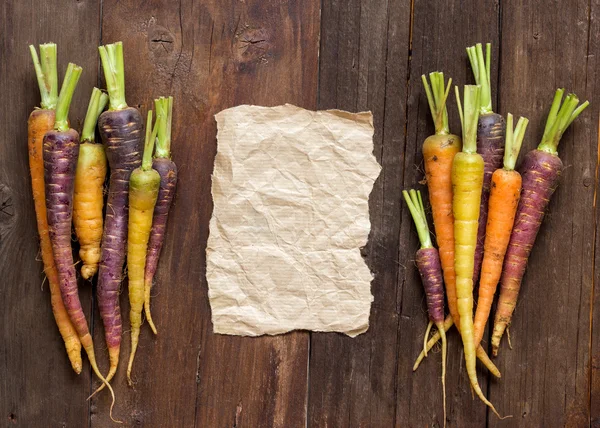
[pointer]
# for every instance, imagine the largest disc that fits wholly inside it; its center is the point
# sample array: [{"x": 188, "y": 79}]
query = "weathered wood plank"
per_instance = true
[
  {"x": 209, "y": 55},
  {"x": 441, "y": 33},
  {"x": 593, "y": 77},
  {"x": 363, "y": 66},
  {"x": 38, "y": 387},
  {"x": 546, "y": 375}
]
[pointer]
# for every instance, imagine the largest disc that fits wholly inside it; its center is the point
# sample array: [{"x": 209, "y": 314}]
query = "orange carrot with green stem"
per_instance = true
[
  {"x": 88, "y": 199},
  {"x": 505, "y": 190},
  {"x": 41, "y": 121},
  {"x": 438, "y": 153},
  {"x": 467, "y": 181}
]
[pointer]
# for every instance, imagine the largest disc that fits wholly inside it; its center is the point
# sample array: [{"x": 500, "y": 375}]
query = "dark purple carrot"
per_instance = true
[
  {"x": 430, "y": 269},
  {"x": 61, "y": 150},
  {"x": 491, "y": 131},
  {"x": 540, "y": 170},
  {"x": 121, "y": 129},
  {"x": 168, "y": 180}
]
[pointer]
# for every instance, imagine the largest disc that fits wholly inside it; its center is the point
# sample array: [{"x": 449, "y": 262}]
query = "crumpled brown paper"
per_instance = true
[{"x": 290, "y": 190}]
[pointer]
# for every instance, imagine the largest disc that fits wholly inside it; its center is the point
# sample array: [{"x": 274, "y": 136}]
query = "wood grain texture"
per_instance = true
[
  {"x": 355, "y": 55},
  {"x": 209, "y": 55},
  {"x": 593, "y": 85},
  {"x": 38, "y": 387},
  {"x": 546, "y": 374},
  {"x": 363, "y": 66},
  {"x": 438, "y": 44}
]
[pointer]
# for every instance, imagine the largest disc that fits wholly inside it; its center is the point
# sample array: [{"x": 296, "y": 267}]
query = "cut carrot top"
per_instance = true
[
  {"x": 417, "y": 210},
  {"x": 164, "y": 118},
  {"x": 469, "y": 117},
  {"x": 514, "y": 139},
  {"x": 481, "y": 70},
  {"x": 66, "y": 95},
  {"x": 95, "y": 108},
  {"x": 114, "y": 73},
  {"x": 151, "y": 133},
  {"x": 436, "y": 97},
  {"x": 46, "y": 73},
  {"x": 559, "y": 119}
]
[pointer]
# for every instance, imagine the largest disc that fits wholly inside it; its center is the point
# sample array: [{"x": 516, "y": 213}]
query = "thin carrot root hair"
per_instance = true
[
  {"x": 442, "y": 332},
  {"x": 427, "y": 331}
]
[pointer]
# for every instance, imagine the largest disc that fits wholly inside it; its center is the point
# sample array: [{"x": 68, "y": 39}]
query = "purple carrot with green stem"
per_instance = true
[
  {"x": 430, "y": 269},
  {"x": 61, "y": 150},
  {"x": 540, "y": 170},
  {"x": 121, "y": 129},
  {"x": 168, "y": 181},
  {"x": 491, "y": 130}
]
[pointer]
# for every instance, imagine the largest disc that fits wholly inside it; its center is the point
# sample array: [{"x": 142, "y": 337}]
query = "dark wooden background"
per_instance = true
[{"x": 354, "y": 55}]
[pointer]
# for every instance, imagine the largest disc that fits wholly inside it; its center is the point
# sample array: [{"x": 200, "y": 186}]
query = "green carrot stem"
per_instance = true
[
  {"x": 164, "y": 111},
  {"x": 436, "y": 97},
  {"x": 149, "y": 143},
  {"x": 47, "y": 75},
  {"x": 72, "y": 75},
  {"x": 559, "y": 119},
  {"x": 96, "y": 106},
  {"x": 114, "y": 73},
  {"x": 481, "y": 70},
  {"x": 469, "y": 116},
  {"x": 514, "y": 140},
  {"x": 417, "y": 211}
]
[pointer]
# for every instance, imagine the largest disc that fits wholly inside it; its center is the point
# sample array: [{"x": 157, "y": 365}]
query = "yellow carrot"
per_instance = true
[
  {"x": 467, "y": 182},
  {"x": 143, "y": 192},
  {"x": 88, "y": 198}
]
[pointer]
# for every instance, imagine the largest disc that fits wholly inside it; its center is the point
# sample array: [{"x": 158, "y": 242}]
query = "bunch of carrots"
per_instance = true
[
  {"x": 485, "y": 213},
  {"x": 68, "y": 174}
]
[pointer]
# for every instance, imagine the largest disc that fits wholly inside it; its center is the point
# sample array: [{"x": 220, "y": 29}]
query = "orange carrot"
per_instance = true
[
  {"x": 40, "y": 122},
  {"x": 504, "y": 198},
  {"x": 438, "y": 153}
]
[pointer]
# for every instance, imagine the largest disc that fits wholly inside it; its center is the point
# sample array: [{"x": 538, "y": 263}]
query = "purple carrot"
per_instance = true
[
  {"x": 491, "y": 131},
  {"x": 430, "y": 269},
  {"x": 168, "y": 180},
  {"x": 540, "y": 170},
  {"x": 61, "y": 151},
  {"x": 121, "y": 129}
]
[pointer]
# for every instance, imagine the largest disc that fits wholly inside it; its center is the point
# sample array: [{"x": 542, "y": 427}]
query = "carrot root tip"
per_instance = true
[{"x": 508, "y": 338}]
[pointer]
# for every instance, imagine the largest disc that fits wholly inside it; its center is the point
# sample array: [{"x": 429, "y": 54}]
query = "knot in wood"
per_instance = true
[
  {"x": 252, "y": 46},
  {"x": 7, "y": 209},
  {"x": 161, "y": 40}
]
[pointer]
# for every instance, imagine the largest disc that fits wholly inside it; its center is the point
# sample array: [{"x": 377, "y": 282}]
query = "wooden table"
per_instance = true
[{"x": 354, "y": 55}]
